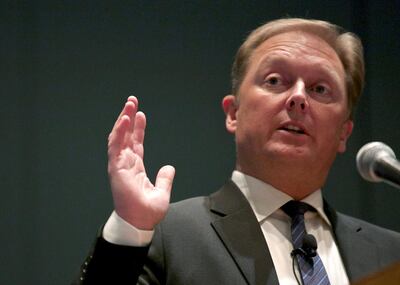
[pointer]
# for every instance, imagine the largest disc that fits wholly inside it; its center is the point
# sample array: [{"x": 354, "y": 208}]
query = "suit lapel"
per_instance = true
[
  {"x": 357, "y": 252},
  {"x": 240, "y": 232}
]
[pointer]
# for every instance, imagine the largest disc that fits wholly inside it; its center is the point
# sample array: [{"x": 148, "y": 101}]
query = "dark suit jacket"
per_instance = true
[{"x": 217, "y": 240}]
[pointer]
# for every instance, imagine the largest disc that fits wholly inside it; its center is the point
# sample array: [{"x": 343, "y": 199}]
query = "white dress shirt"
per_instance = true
[
  {"x": 266, "y": 201},
  {"x": 275, "y": 224}
]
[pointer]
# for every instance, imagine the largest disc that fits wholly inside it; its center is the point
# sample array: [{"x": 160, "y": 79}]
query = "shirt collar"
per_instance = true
[{"x": 264, "y": 199}]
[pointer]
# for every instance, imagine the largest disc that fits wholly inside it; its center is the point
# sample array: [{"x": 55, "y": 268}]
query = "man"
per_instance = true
[{"x": 295, "y": 85}]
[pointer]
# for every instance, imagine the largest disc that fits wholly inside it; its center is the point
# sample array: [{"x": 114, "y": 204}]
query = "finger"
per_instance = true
[
  {"x": 138, "y": 133},
  {"x": 132, "y": 114},
  {"x": 117, "y": 136},
  {"x": 129, "y": 109},
  {"x": 165, "y": 178},
  {"x": 133, "y": 99}
]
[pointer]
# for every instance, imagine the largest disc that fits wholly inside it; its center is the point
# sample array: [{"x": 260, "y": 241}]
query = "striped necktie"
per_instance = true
[{"x": 312, "y": 269}]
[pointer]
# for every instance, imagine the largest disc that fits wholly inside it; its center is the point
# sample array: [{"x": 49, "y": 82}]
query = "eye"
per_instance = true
[
  {"x": 273, "y": 80},
  {"x": 320, "y": 89},
  {"x": 321, "y": 92}
]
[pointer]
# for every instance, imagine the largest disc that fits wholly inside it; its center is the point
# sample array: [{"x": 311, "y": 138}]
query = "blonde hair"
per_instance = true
[{"x": 347, "y": 46}]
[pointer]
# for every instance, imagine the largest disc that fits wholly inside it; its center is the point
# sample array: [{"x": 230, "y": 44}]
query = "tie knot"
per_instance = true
[{"x": 295, "y": 208}]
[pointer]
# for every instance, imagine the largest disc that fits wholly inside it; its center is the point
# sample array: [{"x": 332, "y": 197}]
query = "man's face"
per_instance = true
[{"x": 292, "y": 105}]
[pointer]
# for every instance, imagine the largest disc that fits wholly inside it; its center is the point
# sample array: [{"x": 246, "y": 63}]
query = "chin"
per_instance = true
[{"x": 287, "y": 150}]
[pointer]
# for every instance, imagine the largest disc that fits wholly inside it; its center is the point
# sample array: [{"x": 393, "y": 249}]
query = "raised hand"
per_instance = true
[{"x": 136, "y": 199}]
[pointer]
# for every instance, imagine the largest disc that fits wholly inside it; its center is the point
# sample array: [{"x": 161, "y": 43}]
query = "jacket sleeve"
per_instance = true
[{"x": 108, "y": 263}]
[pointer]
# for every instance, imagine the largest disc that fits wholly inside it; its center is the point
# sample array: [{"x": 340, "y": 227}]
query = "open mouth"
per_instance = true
[{"x": 293, "y": 129}]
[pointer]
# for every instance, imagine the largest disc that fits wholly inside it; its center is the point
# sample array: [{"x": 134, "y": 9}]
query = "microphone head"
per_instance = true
[
  {"x": 308, "y": 248},
  {"x": 310, "y": 245},
  {"x": 368, "y": 155}
]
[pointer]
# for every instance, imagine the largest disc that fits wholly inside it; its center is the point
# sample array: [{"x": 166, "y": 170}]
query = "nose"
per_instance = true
[{"x": 297, "y": 101}]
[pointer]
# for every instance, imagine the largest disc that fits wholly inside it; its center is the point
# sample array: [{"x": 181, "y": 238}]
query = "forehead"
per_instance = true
[{"x": 298, "y": 47}]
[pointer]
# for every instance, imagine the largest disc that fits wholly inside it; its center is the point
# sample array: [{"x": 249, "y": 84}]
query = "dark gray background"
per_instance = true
[{"x": 67, "y": 68}]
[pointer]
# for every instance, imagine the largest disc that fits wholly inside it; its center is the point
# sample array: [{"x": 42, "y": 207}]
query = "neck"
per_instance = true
[{"x": 297, "y": 181}]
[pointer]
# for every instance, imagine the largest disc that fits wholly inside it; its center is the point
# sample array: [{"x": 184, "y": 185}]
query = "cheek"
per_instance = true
[
  {"x": 330, "y": 127},
  {"x": 257, "y": 117},
  {"x": 258, "y": 112}
]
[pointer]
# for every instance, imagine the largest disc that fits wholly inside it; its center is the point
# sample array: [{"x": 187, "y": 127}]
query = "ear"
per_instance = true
[
  {"x": 230, "y": 107},
  {"x": 347, "y": 129}
]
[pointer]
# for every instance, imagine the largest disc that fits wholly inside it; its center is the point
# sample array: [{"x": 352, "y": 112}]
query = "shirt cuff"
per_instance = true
[{"x": 118, "y": 231}]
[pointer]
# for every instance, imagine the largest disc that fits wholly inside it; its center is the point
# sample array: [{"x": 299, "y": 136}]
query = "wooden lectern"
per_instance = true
[{"x": 388, "y": 276}]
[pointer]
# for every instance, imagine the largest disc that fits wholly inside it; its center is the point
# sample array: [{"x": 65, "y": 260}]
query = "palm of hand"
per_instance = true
[{"x": 136, "y": 199}]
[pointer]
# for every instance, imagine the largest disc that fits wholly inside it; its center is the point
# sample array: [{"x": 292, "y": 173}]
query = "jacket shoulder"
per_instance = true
[{"x": 372, "y": 231}]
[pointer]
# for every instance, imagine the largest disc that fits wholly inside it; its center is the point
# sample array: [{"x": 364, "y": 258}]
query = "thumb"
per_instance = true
[{"x": 165, "y": 177}]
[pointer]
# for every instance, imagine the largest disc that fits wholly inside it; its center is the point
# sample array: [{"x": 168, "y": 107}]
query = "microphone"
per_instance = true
[
  {"x": 308, "y": 248},
  {"x": 377, "y": 162}
]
